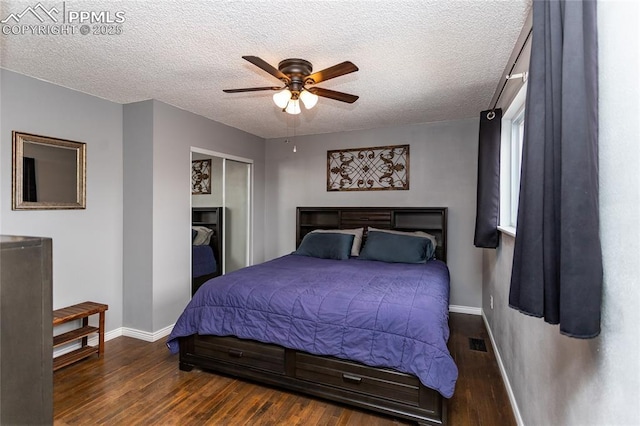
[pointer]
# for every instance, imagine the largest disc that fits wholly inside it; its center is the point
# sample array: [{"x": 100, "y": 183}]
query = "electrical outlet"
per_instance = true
[{"x": 491, "y": 302}]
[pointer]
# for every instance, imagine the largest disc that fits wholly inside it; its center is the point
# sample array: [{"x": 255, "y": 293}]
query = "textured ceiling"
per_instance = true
[{"x": 420, "y": 61}]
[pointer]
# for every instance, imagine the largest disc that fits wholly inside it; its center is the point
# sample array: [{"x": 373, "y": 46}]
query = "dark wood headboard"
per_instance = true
[{"x": 428, "y": 219}]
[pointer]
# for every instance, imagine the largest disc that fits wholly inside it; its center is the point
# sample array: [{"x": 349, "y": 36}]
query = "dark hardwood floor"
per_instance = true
[{"x": 139, "y": 383}]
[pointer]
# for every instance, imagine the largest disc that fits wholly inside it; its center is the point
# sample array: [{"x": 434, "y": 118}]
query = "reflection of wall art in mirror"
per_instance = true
[
  {"x": 368, "y": 169},
  {"x": 201, "y": 177},
  {"x": 48, "y": 173}
]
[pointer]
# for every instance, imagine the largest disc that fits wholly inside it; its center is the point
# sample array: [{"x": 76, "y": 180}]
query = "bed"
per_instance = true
[{"x": 285, "y": 322}]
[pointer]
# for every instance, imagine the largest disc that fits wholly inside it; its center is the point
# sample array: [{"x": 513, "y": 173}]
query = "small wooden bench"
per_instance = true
[{"x": 80, "y": 311}]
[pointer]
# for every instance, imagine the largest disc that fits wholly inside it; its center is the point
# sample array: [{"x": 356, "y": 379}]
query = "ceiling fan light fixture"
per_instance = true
[
  {"x": 293, "y": 107},
  {"x": 281, "y": 99},
  {"x": 308, "y": 99},
  {"x": 295, "y": 73}
]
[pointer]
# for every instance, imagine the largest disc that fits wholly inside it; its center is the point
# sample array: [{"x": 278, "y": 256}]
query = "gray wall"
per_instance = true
[
  {"x": 443, "y": 169},
  {"x": 87, "y": 244},
  {"x": 138, "y": 161},
  {"x": 558, "y": 380},
  {"x": 168, "y": 269},
  {"x": 138, "y": 216}
]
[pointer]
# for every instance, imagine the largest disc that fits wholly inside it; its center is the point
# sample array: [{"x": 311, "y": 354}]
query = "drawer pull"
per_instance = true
[
  {"x": 351, "y": 379},
  {"x": 235, "y": 353}
]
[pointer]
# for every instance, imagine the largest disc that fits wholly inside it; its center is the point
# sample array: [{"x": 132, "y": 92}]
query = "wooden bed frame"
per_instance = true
[{"x": 379, "y": 389}]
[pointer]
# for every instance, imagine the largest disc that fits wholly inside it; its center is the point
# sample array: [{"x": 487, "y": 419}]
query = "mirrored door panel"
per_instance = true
[{"x": 237, "y": 214}]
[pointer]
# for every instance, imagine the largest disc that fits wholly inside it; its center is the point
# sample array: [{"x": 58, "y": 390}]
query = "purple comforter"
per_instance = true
[
  {"x": 203, "y": 261},
  {"x": 381, "y": 314}
]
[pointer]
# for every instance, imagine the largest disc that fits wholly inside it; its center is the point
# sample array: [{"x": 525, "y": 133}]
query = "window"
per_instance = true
[
  {"x": 517, "y": 134},
  {"x": 510, "y": 161}
]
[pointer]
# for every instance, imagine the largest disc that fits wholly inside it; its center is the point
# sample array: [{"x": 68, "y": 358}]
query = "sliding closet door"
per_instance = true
[{"x": 237, "y": 214}]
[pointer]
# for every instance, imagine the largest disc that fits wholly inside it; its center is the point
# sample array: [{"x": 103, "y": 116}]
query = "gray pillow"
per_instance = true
[
  {"x": 430, "y": 254},
  {"x": 326, "y": 245},
  {"x": 204, "y": 235},
  {"x": 357, "y": 237},
  {"x": 434, "y": 242},
  {"x": 395, "y": 248}
]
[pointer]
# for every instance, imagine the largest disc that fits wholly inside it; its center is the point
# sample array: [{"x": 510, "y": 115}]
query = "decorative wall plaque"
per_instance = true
[
  {"x": 201, "y": 177},
  {"x": 368, "y": 169}
]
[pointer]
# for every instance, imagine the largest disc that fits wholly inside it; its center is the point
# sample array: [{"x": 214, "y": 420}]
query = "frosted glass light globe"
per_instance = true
[
  {"x": 308, "y": 99},
  {"x": 293, "y": 107},
  {"x": 282, "y": 98}
]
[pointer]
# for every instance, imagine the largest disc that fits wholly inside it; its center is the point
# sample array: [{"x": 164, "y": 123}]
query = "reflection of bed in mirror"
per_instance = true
[
  {"x": 48, "y": 173},
  {"x": 206, "y": 256},
  {"x": 416, "y": 390}
]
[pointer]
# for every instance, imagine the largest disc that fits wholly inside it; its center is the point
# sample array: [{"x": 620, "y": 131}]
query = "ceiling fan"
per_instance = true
[{"x": 296, "y": 74}]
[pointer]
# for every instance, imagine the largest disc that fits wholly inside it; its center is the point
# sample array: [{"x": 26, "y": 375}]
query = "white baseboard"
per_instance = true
[
  {"x": 146, "y": 335},
  {"x": 122, "y": 331},
  {"x": 465, "y": 310},
  {"x": 107, "y": 336},
  {"x": 93, "y": 341},
  {"x": 503, "y": 372}
]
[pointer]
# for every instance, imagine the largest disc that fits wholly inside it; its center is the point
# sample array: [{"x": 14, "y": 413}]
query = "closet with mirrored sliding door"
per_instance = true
[{"x": 225, "y": 182}]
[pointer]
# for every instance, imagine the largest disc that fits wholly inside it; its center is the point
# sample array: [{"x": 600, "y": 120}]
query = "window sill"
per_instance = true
[{"x": 509, "y": 230}]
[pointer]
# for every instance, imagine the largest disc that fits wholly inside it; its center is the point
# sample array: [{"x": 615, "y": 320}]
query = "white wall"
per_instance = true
[
  {"x": 558, "y": 380},
  {"x": 443, "y": 173},
  {"x": 87, "y": 244}
]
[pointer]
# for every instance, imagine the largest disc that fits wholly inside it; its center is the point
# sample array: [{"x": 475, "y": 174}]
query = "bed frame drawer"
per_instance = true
[
  {"x": 381, "y": 383},
  {"x": 379, "y": 389},
  {"x": 243, "y": 352}
]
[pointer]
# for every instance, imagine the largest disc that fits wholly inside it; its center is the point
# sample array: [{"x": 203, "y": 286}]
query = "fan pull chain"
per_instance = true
[
  {"x": 295, "y": 148},
  {"x": 287, "y": 140}
]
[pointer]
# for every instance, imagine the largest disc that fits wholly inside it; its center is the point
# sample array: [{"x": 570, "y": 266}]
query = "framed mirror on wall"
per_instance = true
[{"x": 48, "y": 173}]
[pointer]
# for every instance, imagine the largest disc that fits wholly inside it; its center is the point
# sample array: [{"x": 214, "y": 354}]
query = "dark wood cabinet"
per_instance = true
[{"x": 26, "y": 339}]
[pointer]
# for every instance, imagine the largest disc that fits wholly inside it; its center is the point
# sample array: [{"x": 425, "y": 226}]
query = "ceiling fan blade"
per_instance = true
[
  {"x": 251, "y": 89},
  {"x": 265, "y": 66},
  {"x": 332, "y": 72},
  {"x": 332, "y": 94}
]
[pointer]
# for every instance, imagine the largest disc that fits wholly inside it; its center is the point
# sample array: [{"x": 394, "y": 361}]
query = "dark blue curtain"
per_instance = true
[
  {"x": 557, "y": 263},
  {"x": 488, "y": 195}
]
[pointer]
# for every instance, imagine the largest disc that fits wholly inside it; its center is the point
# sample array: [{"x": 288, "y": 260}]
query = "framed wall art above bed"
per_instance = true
[{"x": 380, "y": 168}]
